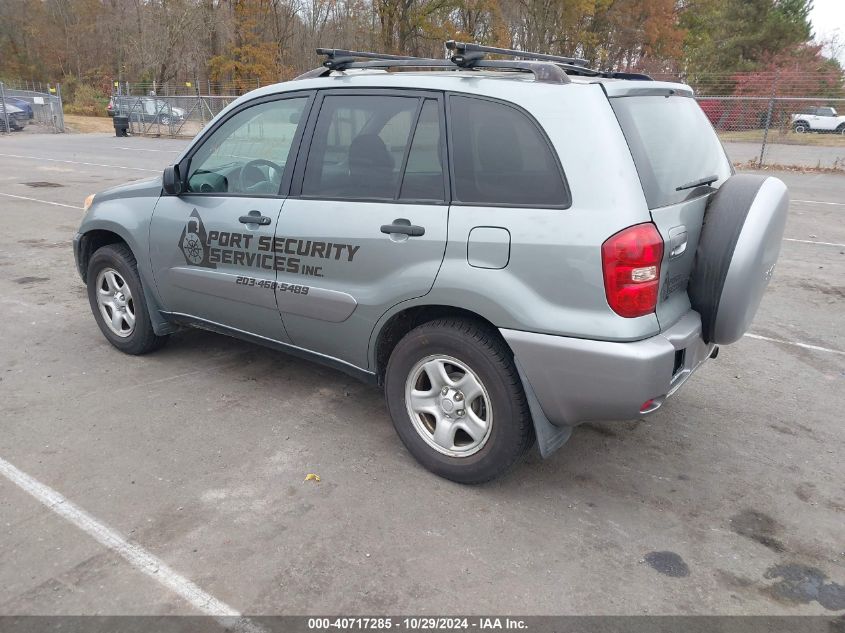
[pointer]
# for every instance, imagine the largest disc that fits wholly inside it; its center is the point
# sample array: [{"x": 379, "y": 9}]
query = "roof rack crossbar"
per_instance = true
[
  {"x": 340, "y": 52},
  {"x": 338, "y": 59},
  {"x": 465, "y": 48},
  {"x": 467, "y": 54}
]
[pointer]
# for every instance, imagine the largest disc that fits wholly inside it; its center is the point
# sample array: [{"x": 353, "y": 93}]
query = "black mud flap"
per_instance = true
[{"x": 549, "y": 436}]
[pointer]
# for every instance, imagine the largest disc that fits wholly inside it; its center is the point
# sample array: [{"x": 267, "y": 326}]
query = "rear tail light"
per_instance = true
[{"x": 631, "y": 263}]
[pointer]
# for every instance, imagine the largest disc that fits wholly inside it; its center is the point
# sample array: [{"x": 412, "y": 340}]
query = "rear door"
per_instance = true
[
  {"x": 365, "y": 225},
  {"x": 680, "y": 162},
  {"x": 212, "y": 247}
]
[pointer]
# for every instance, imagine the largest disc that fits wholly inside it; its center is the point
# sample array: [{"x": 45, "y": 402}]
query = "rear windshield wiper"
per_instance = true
[{"x": 698, "y": 183}]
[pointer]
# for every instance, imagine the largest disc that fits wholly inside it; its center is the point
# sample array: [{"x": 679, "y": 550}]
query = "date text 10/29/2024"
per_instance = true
[{"x": 416, "y": 623}]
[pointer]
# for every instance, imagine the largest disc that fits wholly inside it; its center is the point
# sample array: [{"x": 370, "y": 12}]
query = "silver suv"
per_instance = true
[{"x": 509, "y": 247}]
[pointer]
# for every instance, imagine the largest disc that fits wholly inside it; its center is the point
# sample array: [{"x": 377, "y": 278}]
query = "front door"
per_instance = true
[
  {"x": 212, "y": 247},
  {"x": 366, "y": 220}
]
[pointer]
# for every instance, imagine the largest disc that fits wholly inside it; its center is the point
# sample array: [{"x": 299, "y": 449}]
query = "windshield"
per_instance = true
[{"x": 673, "y": 145}]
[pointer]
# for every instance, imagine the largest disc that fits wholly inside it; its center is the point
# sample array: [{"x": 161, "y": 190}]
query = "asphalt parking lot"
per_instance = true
[{"x": 729, "y": 499}]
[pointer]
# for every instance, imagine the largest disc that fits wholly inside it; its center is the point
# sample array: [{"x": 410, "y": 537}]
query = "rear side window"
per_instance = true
[
  {"x": 500, "y": 157},
  {"x": 375, "y": 147},
  {"x": 673, "y": 145}
]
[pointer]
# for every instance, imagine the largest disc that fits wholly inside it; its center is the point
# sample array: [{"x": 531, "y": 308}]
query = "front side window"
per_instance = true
[
  {"x": 362, "y": 145},
  {"x": 500, "y": 157},
  {"x": 248, "y": 154}
]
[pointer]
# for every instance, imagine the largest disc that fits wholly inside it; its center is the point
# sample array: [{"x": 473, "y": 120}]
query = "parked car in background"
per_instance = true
[
  {"x": 23, "y": 104},
  {"x": 17, "y": 117},
  {"x": 146, "y": 109},
  {"x": 819, "y": 120}
]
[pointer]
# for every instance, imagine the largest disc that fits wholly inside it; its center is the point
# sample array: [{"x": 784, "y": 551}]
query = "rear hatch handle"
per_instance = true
[{"x": 677, "y": 241}]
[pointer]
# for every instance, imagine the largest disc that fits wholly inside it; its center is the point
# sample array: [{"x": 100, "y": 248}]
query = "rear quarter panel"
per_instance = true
[{"x": 553, "y": 281}]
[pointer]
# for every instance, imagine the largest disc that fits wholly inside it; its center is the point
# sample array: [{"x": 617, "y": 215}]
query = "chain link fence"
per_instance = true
[
  {"x": 22, "y": 106},
  {"x": 772, "y": 118},
  {"x": 180, "y": 110},
  {"x": 804, "y": 132},
  {"x": 168, "y": 116}
]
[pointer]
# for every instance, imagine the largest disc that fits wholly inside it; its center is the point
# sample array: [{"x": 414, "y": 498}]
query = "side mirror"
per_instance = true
[{"x": 170, "y": 181}]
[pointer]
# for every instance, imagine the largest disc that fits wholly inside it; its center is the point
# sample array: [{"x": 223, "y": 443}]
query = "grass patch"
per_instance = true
[
  {"x": 88, "y": 124},
  {"x": 784, "y": 137},
  {"x": 838, "y": 168}
]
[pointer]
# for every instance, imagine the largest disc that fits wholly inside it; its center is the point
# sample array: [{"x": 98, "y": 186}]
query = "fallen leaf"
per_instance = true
[{"x": 312, "y": 477}]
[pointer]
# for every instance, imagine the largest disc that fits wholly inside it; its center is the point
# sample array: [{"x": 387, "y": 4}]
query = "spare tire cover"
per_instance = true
[{"x": 739, "y": 245}]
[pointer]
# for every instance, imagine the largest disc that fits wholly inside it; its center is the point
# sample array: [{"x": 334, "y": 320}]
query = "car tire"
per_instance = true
[
  {"x": 736, "y": 255},
  {"x": 474, "y": 360},
  {"x": 841, "y": 129},
  {"x": 800, "y": 127},
  {"x": 117, "y": 300}
]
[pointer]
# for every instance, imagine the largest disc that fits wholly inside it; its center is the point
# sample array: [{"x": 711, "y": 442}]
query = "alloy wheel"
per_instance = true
[
  {"x": 449, "y": 406},
  {"x": 114, "y": 298}
]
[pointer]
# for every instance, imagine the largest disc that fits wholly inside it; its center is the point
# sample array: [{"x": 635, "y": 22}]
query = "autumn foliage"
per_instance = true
[{"x": 745, "y": 43}]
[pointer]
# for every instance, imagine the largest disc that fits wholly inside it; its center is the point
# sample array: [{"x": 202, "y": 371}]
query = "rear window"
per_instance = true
[{"x": 673, "y": 145}]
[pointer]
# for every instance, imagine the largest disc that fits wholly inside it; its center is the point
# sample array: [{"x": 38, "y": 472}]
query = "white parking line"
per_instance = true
[
  {"x": 792, "y": 239},
  {"x": 79, "y": 162},
  {"x": 134, "y": 554},
  {"x": 815, "y": 348},
  {"x": 140, "y": 149},
  {"x": 55, "y": 204},
  {"x": 838, "y": 204}
]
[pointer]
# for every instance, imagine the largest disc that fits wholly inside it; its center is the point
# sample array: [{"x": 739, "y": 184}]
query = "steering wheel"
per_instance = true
[{"x": 253, "y": 180}]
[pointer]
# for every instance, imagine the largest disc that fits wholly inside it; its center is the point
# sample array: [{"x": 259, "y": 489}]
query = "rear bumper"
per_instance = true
[{"x": 578, "y": 380}]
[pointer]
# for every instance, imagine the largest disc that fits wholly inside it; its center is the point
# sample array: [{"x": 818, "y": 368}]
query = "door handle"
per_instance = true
[
  {"x": 254, "y": 217},
  {"x": 403, "y": 227}
]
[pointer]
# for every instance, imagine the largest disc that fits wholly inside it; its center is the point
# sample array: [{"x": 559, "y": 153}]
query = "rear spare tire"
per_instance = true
[{"x": 736, "y": 255}]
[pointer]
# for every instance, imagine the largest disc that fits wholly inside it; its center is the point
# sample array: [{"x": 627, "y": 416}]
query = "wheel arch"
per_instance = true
[
  {"x": 91, "y": 241},
  {"x": 393, "y": 326}
]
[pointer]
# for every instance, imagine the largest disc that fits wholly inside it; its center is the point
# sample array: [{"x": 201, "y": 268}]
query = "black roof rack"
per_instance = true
[
  {"x": 341, "y": 59},
  {"x": 466, "y": 49},
  {"x": 572, "y": 65},
  {"x": 467, "y": 56},
  {"x": 338, "y": 58}
]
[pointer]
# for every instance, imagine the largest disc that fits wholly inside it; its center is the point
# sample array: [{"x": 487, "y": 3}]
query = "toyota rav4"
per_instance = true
[{"x": 509, "y": 247}]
